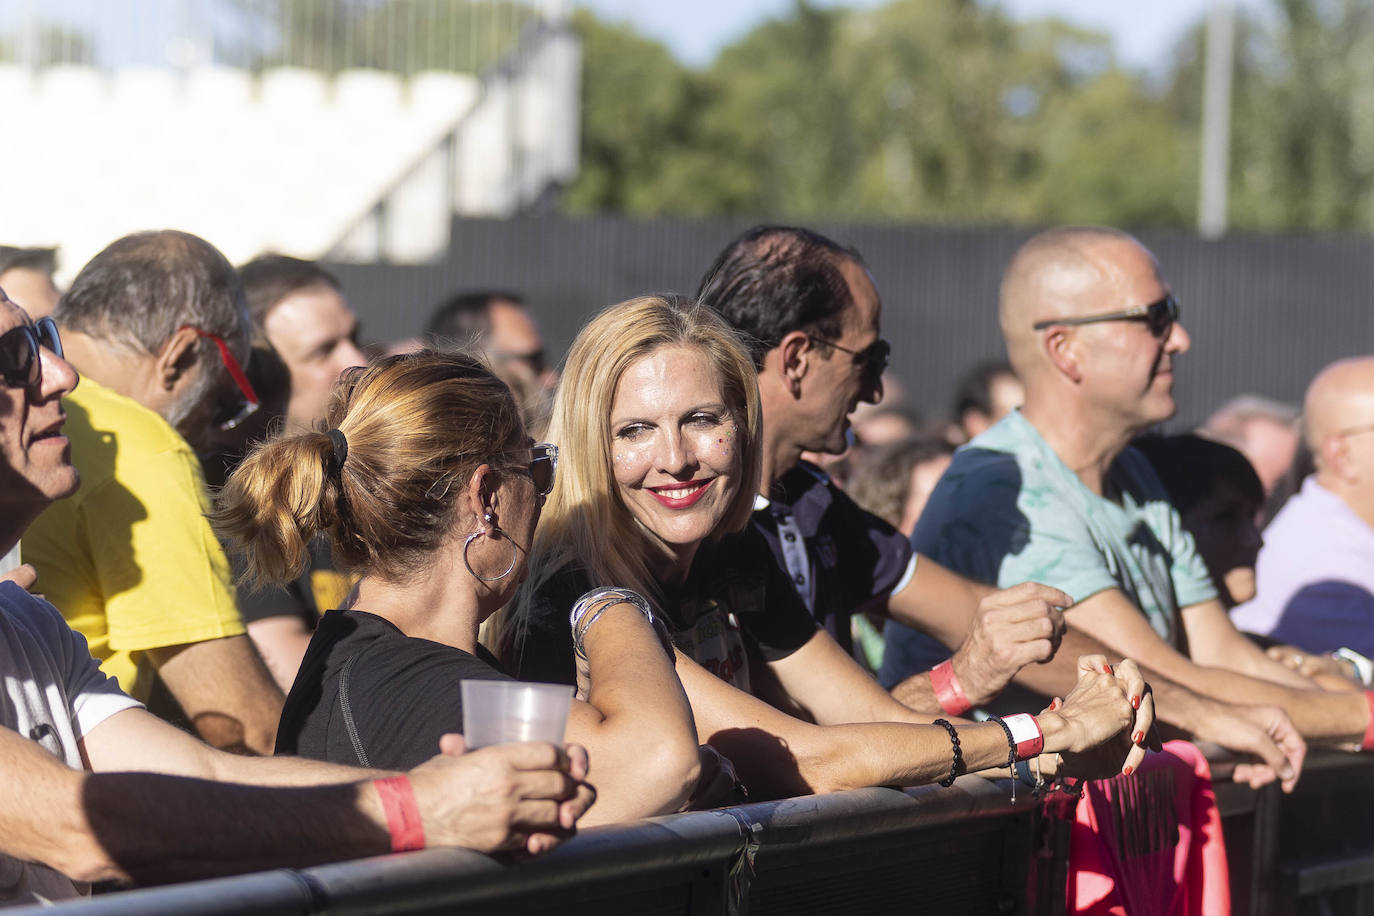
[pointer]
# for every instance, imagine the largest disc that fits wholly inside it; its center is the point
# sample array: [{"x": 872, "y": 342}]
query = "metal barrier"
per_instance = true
[{"x": 961, "y": 850}]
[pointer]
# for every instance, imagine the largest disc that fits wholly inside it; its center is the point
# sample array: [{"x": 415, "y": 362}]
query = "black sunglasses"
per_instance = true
[
  {"x": 1159, "y": 316},
  {"x": 20, "y": 360},
  {"x": 543, "y": 465},
  {"x": 873, "y": 358}
]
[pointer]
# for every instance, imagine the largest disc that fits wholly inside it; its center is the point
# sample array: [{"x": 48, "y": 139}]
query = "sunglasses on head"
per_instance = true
[
  {"x": 543, "y": 465},
  {"x": 1159, "y": 316},
  {"x": 20, "y": 360},
  {"x": 232, "y": 414},
  {"x": 872, "y": 359}
]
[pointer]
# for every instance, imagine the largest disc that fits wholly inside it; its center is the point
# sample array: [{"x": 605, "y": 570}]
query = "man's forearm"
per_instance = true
[
  {"x": 938, "y": 602},
  {"x": 149, "y": 827},
  {"x": 1218, "y": 644},
  {"x": 917, "y": 692},
  {"x": 1318, "y": 715},
  {"x": 286, "y": 771},
  {"x": 226, "y": 691},
  {"x": 190, "y": 828}
]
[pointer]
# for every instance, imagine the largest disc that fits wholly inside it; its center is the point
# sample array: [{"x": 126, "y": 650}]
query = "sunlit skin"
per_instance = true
[
  {"x": 315, "y": 332},
  {"x": 1131, "y": 369},
  {"x": 32, "y": 290},
  {"x": 512, "y": 342},
  {"x": 37, "y": 456},
  {"x": 673, "y": 448},
  {"x": 840, "y": 383}
]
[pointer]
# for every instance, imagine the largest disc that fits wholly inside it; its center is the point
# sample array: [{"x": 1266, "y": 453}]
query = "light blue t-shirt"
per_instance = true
[{"x": 1009, "y": 511}]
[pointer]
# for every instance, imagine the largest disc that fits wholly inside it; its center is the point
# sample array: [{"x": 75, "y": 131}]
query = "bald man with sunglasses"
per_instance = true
[
  {"x": 1055, "y": 493},
  {"x": 157, "y": 326}
]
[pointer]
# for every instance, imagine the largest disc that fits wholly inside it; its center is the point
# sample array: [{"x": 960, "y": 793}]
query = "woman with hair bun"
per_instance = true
[
  {"x": 429, "y": 489},
  {"x": 658, "y": 417}
]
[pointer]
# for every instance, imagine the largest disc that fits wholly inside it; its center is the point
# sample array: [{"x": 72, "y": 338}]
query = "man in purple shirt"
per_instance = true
[{"x": 1315, "y": 574}]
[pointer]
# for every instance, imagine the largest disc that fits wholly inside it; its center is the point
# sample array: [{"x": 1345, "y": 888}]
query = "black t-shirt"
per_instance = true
[
  {"x": 400, "y": 694},
  {"x": 319, "y": 586},
  {"x": 838, "y": 558},
  {"x": 721, "y": 617}
]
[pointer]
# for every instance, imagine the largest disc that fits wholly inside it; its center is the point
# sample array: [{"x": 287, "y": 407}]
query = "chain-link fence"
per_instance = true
[{"x": 398, "y": 36}]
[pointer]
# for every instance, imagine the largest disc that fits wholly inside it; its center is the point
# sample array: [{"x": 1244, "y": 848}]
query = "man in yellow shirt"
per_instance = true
[{"x": 156, "y": 325}]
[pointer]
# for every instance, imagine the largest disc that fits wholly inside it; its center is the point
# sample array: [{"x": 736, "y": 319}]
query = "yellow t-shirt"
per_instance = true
[{"x": 130, "y": 559}]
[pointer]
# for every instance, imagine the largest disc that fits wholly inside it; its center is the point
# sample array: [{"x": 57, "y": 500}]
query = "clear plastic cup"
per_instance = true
[{"x": 500, "y": 712}]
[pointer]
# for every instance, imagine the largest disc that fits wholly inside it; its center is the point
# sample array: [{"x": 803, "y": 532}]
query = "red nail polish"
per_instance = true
[
  {"x": 1054, "y": 704},
  {"x": 1106, "y": 669},
  {"x": 1137, "y": 737},
  {"x": 1135, "y": 702},
  {"x": 1127, "y": 770}
]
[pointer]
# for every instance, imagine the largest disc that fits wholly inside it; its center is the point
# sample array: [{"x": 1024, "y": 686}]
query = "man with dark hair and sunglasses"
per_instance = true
[
  {"x": 809, "y": 312},
  {"x": 157, "y": 327},
  {"x": 1054, "y": 492},
  {"x": 498, "y": 323}
]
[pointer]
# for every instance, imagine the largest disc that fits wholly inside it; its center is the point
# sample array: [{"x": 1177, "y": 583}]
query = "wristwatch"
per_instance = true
[{"x": 1364, "y": 668}]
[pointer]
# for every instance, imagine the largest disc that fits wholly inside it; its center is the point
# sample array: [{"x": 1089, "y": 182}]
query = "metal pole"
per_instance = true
[
  {"x": 28, "y": 44},
  {"x": 1216, "y": 120}
]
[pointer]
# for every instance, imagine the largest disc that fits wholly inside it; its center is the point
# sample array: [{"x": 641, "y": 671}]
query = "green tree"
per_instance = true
[
  {"x": 54, "y": 45},
  {"x": 1302, "y": 124},
  {"x": 930, "y": 110},
  {"x": 645, "y": 147},
  {"x": 400, "y": 36}
]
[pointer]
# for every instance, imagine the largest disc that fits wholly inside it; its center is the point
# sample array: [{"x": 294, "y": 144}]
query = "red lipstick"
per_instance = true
[{"x": 694, "y": 490}]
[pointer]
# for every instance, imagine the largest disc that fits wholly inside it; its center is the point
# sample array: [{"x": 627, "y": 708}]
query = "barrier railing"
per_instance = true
[{"x": 966, "y": 849}]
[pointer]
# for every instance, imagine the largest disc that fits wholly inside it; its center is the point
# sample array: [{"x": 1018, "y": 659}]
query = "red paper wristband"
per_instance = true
[
  {"x": 949, "y": 693},
  {"x": 1025, "y": 731},
  {"x": 402, "y": 814},
  {"x": 1368, "y": 743}
]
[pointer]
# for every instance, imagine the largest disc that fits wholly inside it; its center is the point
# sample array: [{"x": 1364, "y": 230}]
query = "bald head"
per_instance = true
[
  {"x": 1341, "y": 397},
  {"x": 1064, "y": 273}
]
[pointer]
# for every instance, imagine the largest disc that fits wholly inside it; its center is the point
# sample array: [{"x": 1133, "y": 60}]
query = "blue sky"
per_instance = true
[{"x": 1144, "y": 32}]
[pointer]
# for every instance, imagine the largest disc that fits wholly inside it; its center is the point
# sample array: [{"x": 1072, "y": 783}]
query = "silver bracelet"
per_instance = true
[{"x": 588, "y": 609}]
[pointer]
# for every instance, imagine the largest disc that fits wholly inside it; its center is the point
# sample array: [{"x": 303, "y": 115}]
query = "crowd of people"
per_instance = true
[{"x": 267, "y": 557}]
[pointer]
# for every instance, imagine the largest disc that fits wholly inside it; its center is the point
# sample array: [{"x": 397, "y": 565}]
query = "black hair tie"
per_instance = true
[{"x": 336, "y": 438}]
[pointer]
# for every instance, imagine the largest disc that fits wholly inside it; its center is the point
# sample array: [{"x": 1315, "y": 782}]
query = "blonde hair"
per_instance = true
[
  {"x": 585, "y": 522},
  {"x": 416, "y": 425}
]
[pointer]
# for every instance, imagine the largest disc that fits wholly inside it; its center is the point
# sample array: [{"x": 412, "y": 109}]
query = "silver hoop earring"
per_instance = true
[{"x": 514, "y": 555}]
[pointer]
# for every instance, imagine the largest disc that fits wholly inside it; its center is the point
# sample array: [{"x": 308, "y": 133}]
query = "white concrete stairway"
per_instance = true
[{"x": 364, "y": 164}]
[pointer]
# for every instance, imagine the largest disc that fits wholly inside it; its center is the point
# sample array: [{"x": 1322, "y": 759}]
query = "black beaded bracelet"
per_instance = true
[
  {"x": 957, "y": 763},
  {"x": 1011, "y": 753}
]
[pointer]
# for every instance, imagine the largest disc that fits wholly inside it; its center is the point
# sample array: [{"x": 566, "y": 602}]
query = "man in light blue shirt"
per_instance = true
[
  {"x": 1054, "y": 494},
  {"x": 1035, "y": 519}
]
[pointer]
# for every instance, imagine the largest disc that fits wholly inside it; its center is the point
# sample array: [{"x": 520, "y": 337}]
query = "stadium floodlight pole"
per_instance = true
[{"x": 1216, "y": 120}]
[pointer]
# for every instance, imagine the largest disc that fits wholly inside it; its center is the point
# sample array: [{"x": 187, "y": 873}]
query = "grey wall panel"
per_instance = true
[{"x": 1264, "y": 312}]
